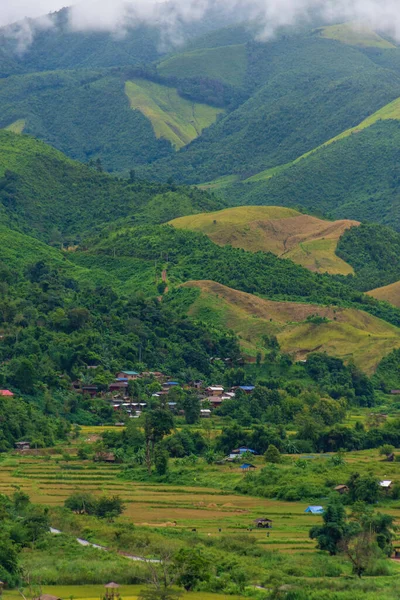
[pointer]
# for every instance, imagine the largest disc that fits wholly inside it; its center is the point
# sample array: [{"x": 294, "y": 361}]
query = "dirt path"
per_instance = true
[{"x": 124, "y": 554}]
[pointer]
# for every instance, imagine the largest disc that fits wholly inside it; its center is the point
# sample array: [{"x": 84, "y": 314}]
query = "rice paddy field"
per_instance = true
[
  {"x": 94, "y": 592},
  {"x": 207, "y": 503}
]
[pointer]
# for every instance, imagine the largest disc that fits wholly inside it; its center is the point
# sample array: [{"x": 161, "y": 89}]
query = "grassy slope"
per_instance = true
[
  {"x": 389, "y": 112},
  {"x": 349, "y": 333},
  {"x": 355, "y": 35},
  {"x": 17, "y": 127},
  {"x": 306, "y": 240},
  {"x": 225, "y": 63},
  {"x": 388, "y": 293},
  {"x": 173, "y": 118}
]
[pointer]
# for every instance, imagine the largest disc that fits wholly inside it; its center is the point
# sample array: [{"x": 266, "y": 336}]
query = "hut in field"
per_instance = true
[
  {"x": 263, "y": 523},
  {"x": 111, "y": 591},
  {"x": 341, "y": 489},
  {"x": 47, "y": 597},
  {"x": 247, "y": 467}
]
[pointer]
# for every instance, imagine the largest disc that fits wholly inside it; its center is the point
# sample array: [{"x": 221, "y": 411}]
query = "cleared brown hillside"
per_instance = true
[
  {"x": 347, "y": 333},
  {"x": 307, "y": 240},
  {"x": 389, "y": 293}
]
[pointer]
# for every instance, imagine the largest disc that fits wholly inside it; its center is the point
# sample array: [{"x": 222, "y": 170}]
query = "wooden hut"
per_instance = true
[
  {"x": 263, "y": 523},
  {"x": 341, "y": 489},
  {"x": 111, "y": 591}
]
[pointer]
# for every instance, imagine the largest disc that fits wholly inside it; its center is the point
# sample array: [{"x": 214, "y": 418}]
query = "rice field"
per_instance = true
[
  {"x": 210, "y": 511},
  {"x": 94, "y": 592}
]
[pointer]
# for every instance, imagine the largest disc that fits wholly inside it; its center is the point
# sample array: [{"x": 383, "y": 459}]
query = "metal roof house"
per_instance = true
[
  {"x": 315, "y": 510},
  {"x": 247, "y": 467}
]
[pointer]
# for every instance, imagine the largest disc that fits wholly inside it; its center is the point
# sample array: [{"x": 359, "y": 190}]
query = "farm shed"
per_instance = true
[
  {"x": 247, "y": 467},
  {"x": 23, "y": 446},
  {"x": 263, "y": 523},
  {"x": 341, "y": 489}
]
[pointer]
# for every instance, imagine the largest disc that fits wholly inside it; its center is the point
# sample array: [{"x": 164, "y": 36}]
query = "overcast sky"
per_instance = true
[{"x": 114, "y": 15}]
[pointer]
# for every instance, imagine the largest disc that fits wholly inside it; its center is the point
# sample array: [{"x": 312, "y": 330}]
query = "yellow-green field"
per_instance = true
[
  {"x": 388, "y": 293},
  {"x": 208, "y": 509},
  {"x": 159, "y": 505},
  {"x": 348, "y": 334},
  {"x": 17, "y": 126},
  {"x": 173, "y": 118},
  {"x": 225, "y": 63},
  {"x": 355, "y": 34},
  {"x": 306, "y": 240},
  {"x": 94, "y": 592}
]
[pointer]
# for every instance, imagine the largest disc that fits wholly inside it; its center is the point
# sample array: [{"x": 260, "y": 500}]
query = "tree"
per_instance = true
[
  {"x": 157, "y": 424},
  {"x": 363, "y": 488},
  {"x": 161, "y": 458},
  {"x": 362, "y": 550},
  {"x": 193, "y": 566},
  {"x": 191, "y": 406},
  {"x": 272, "y": 454},
  {"x": 109, "y": 507},
  {"x": 81, "y": 503},
  {"x": 334, "y": 528},
  {"x": 386, "y": 450},
  {"x": 161, "y": 578}
]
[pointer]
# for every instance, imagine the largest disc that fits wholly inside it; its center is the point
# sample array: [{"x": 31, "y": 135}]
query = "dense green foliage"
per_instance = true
[
  {"x": 22, "y": 524},
  {"x": 303, "y": 91},
  {"x": 373, "y": 251},
  {"x": 356, "y": 177},
  {"x": 43, "y": 192}
]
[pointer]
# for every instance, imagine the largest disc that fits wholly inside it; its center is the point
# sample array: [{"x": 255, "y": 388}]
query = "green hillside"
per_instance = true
[
  {"x": 225, "y": 63},
  {"x": 356, "y": 178},
  {"x": 302, "y": 91},
  {"x": 173, "y": 118},
  {"x": 85, "y": 114},
  {"x": 49, "y": 195}
]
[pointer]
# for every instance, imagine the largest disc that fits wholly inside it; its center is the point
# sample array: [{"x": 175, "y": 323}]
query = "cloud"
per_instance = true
[{"x": 117, "y": 16}]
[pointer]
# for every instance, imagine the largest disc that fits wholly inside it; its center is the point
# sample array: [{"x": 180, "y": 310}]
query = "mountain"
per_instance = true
[
  {"x": 302, "y": 90},
  {"x": 306, "y": 240},
  {"x": 299, "y": 328},
  {"x": 44, "y": 193},
  {"x": 354, "y": 175}
]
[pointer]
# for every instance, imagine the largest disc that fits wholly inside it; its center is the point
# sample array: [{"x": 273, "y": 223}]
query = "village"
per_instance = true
[{"x": 121, "y": 392}]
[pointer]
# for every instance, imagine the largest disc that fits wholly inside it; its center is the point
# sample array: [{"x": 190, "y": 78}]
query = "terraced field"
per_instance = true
[
  {"x": 346, "y": 333},
  {"x": 206, "y": 509},
  {"x": 306, "y": 240},
  {"x": 173, "y": 118},
  {"x": 388, "y": 293}
]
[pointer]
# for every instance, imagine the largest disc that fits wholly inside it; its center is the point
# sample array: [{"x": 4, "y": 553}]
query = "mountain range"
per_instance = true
[{"x": 248, "y": 186}]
